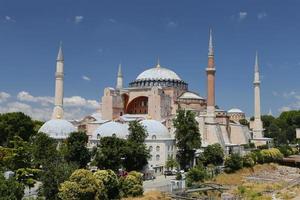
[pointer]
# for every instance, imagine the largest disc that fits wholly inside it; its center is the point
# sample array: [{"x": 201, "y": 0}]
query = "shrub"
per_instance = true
[
  {"x": 248, "y": 161},
  {"x": 110, "y": 181},
  {"x": 233, "y": 163},
  {"x": 196, "y": 174},
  {"x": 271, "y": 155},
  {"x": 132, "y": 185}
]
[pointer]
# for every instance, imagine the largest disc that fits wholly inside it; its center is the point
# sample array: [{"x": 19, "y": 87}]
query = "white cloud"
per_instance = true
[
  {"x": 242, "y": 15},
  {"x": 172, "y": 24},
  {"x": 261, "y": 15},
  {"x": 44, "y": 100},
  {"x": 4, "y": 96},
  {"x": 9, "y": 19},
  {"x": 78, "y": 19},
  {"x": 86, "y": 78},
  {"x": 80, "y": 101},
  {"x": 284, "y": 108}
]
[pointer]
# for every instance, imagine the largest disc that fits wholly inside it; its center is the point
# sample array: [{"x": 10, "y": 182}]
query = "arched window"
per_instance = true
[
  {"x": 98, "y": 136},
  {"x": 157, "y": 148},
  {"x": 157, "y": 157},
  {"x": 114, "y": 135},
  {"x": 153, "y": 137},
  {"x": 150, "y": 148}
]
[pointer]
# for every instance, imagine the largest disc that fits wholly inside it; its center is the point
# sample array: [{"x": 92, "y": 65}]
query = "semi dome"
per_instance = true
[
  {"x": 57, "y": 128},
  {"x": 158, "y": 73},
  {"x": 155, "y": 129},
  {"x": 111, "y": 129},
  {"x": 235, "y": 110},
  {"x": 190, "y": 95}
]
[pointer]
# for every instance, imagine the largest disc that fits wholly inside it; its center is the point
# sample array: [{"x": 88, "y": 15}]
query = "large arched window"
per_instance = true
[
  {"x": 153, "y": 137},
  {"x": 150, "y": 148}
]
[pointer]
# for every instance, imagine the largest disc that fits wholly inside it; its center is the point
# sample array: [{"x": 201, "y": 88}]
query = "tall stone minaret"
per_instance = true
[
  {"x": 257, "y": 125},
  {"x": 119, "y": 78},
  {"x": 58, "y": 111},
  {"x": 210, "y": 71}
]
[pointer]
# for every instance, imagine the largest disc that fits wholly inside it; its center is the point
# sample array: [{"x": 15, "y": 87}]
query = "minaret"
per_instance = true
[
  {"x": 119, "y": 78},
  {"x": 210, "y": 71},
  {"x": 257, "y": 125},
  {"x": 58, "y": 111}
]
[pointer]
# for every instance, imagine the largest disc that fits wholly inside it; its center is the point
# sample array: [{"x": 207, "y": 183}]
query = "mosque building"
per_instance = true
[
  {"x": 153, "y": 99},
  {"x": 157, "y": 93}
]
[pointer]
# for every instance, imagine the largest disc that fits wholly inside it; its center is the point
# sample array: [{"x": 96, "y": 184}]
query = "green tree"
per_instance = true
[
  {"x": 76, "y": 149},
  {"x": 20, "y": 156},
  {"x": 196, "y": 174},
  {"x": 187, "y": 137},
  {"x": 136, "y": 151},
  {"x": 213, "y": 154},
  {"x": 52, "y": 175},
  {"x": 244, "y": 122},
  {"x": 27, "y": 176},
  {"x": 171, "y": 163},
  {"x": 44, "y": 149},
  {"x": 10, "y": 189},
  {"x": 111, "y": 183},
  {"x": 109, "y": 153},
  {"x": 15, "y": 124},
  {"x": 248, "y": 161},
  {"x": 132, "y": 185},
  {"x": 234, "y": 162},
  {"x": 82, "y": 185}
]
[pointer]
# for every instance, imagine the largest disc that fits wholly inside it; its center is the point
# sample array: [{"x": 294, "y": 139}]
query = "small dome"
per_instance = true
[
  {"x": 57, "y": 128},
  {"x": 235, "y": 110},
  {"x": 155, "y": 129},
  {"x": 190, "y": 95},
  {"x": 111, "y": 129},
  {"x": 158, "y": 73}
]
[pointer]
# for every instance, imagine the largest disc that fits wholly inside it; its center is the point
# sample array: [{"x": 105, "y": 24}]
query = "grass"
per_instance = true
[{"x": 152, "y": 195}]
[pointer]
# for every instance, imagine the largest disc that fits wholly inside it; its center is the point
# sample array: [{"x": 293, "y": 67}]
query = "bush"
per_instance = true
[
  {"x": 233, "y": 163},
  {"x": 248, "y": 161},
  {"x": 271, "y": 155},
  {"x": 196, "y": 174},
  {"x": 286, "y": 150},
  {"x": 110, "y": 181},
  {"x": 131, "y": 186},
  {"x": 213, "y": 154}
]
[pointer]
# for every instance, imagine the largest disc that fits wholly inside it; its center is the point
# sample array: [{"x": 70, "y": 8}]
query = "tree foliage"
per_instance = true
[
  {"x": 233, "y": 162},
  {"x": 111, "y": 183},
  {"x": 15, "y": 124},
  {"x": 82, "y": 185},
  {"x": 187, "y": 137},
  {"x": 213, "y": 154},
  {"x": 10, "y": 189},
  {"x": 76, "y": 149},
  {"x": 110, "y": 153},
  {"x": 196, "y": 174},
  {"x": 132, "y": 185},
  {"x": 171, "y": 163}
]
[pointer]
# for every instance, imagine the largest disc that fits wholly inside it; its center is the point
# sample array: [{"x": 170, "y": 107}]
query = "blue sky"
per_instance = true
[{"x": 97, "y": 35}]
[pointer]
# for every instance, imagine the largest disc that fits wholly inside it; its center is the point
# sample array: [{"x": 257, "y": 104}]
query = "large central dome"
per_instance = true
[
  {"x": 158, "y": 73},
  {"x": 158, "y": 76}
]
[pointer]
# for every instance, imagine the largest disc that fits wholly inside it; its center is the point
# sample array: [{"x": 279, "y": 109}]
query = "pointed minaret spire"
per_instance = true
[
  {"x": 120, "y": 71},
  {"x": 210, "y": 44},
  {"x": 158, "y": 63},
  {"x": 119, "y": 78},
  {"x": 60, "y": 55},
  {"x": 210, "y": 73},
  {"x": 58, "y": 111},
  {"x": 256, "y": 62},
  {"x": 257, "y": 125}
]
